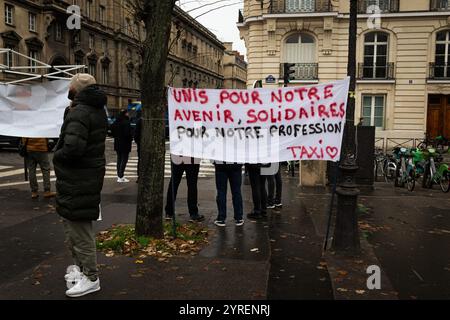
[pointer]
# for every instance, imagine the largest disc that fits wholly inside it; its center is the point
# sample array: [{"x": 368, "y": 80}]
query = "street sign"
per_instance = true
[{"x": 270, "y": 79}]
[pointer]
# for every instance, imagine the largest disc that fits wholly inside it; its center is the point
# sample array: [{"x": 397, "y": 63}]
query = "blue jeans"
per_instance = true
[{"x": 232, "y": 173}]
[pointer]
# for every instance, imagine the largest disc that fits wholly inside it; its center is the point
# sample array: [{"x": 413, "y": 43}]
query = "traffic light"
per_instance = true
[{"x": 287, "y": 72}]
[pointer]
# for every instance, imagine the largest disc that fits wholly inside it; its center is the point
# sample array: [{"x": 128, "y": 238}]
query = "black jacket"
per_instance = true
[
  {"x": 123, "y": 135},
  {"x": 79, "y": 159}
]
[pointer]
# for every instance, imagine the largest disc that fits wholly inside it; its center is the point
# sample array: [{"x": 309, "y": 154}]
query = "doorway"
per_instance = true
[{"x": 438, "y": 115}]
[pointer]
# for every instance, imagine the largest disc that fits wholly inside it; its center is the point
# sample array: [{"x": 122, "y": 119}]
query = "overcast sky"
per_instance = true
[{"x": 222, "y": 22}]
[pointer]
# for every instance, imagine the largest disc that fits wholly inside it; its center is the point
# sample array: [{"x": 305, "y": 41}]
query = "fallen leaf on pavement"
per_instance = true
[{"x": 360, "y": 291}]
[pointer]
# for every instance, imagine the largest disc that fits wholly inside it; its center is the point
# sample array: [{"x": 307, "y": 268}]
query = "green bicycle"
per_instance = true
[{"x": 433, "y": 175}]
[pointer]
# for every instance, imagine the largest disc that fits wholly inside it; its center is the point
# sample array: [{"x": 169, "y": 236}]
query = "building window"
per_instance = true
[
  {"x": 9, "y": 57},
  {"x": 101, "y": 14},
  {"x": 105, "y": 74},
  {"x": 34, "y": 55},
  {"x": 58, "y": 32},
  {"x": 128, "y": 31},
  {"x": 442, "y": 57},
  {"x": 32, "y": 22},
  {"x": 375, "y": 55},
  {"x": 92, "y": 68},
  {"x": 89, "y": 9},
  {"x": 91, "y": 42},
  {"x": 104, "y": 46},
  {"x": 130, "y": 78},
  {"x": 9, "y": 14},
  {"x": 299, "y": 48},
  {"x": 79, "y": 60},
  {"x": 373, "y": 107}
]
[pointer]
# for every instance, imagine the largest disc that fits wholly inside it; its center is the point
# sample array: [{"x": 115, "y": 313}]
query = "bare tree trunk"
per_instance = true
[{"x": 157, "y": 16}]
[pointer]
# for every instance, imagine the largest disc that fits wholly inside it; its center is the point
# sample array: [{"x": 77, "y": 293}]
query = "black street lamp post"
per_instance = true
[{"x": 346, "y": 235}]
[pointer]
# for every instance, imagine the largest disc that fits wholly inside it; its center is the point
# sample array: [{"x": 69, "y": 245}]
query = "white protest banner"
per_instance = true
[
  {"x": 33, "y": 111},
  {"x": 259, "y": 125}
]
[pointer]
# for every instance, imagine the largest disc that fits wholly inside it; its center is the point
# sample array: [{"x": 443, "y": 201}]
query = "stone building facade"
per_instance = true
[
  {"x": 403, "y": 85},
  {"x": 235, "y": 68},
  {"x": 107, "y": 44},
  {"x": 196, "y": 55}
]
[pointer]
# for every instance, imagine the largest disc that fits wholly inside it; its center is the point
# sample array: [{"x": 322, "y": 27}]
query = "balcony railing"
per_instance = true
[
  {"x": 299, "y": 6},
  {"x": 303, "y": 71},
  {"x": 439, "y": 72},
  {"x": 378, "y": 6},
  {"x": 439, "y": 5},
  {"x": 376, "y": 72}
]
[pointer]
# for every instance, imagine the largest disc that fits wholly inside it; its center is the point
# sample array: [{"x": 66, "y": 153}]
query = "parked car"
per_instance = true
[
  {"x": 111, "y": 120},
  {"x": 11, "y": 142}
]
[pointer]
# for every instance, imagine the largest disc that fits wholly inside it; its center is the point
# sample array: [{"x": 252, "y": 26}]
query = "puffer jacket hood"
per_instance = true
[{"x": 92, "y": 96}]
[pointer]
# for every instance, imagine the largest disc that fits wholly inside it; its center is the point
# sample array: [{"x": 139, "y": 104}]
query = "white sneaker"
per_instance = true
[
  {"x": 72, "y": 268},
  {"x": 73, "y": 276},
  {"x": 125, "y": 180},
  {"x": 83, "y": 287},
  {"x": 119, "y": 180}
]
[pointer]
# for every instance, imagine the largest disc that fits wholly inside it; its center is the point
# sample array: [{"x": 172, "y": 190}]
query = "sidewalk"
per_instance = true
[{"x": 408, "y": 237}]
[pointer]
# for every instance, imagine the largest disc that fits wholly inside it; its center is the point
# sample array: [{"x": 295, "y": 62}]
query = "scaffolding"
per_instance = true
[{"x": 28, "y": 72}]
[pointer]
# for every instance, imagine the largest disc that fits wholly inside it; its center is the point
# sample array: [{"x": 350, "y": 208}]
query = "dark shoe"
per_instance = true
[
  {"x": 239, "y": 222},
  {"x": 254, "y": 216},
  {"x": 34, "y": 195},
  {"x": 279, "y": 205},
  {"x": 271, "y": 206},
  {"x": 169, "y": 217},
  {"x": 197, "y": 218},
  {"x": 220, "y": 223}
]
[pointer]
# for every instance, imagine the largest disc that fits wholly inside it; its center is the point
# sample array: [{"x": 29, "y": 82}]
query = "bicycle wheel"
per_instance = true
[
  {"x": 398, "y": 178},
  {"x": 427, "y": 180},
  {"x": 375, "y": 170},
  {"x": 445, "y": 182},
  {"x": 411, "y": 180}
]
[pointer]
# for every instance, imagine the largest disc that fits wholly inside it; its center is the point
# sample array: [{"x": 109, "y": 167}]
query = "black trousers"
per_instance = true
[
  {"x": 275, "y": 183},
  {"x": 122, "y": 160},
  {"x": 139, "y": 157},
  {"x": 192, "y": 171},
  {"x": 258, "y": 185}
]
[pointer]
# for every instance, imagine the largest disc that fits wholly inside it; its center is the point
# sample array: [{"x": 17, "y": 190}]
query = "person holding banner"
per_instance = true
[
  {"x": 180, "y": 165},
  {"x": 233, "y": 173},
  {"x": 259, "y": 192},
  {"x": 275, "y": 188},
  {"x": 80, "y": 167}
]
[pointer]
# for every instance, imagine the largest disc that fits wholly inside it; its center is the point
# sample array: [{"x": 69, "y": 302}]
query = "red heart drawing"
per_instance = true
[{"x": 332, "y": 152}]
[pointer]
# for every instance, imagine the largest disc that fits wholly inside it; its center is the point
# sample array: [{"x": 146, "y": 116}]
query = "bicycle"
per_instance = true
[
  {"x": 386, "y": 165},
  {"x": 405, "y": 173},
  {"x": 432, "y": 175}
]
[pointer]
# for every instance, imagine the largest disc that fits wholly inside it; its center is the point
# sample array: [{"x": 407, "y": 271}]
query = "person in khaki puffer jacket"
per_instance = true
[{"x": 37, "y": 153}]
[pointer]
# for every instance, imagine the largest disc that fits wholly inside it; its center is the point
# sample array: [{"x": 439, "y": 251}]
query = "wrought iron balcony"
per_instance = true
[
  {"x": 378, "y": 6},
  {"x": 439, "y": 72},
  {"x": 376, "y": 72},
  {"x": 299, "y": 6},
  {"x": 303, "y": 71},
  {"x": 439, "y": 5}
]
